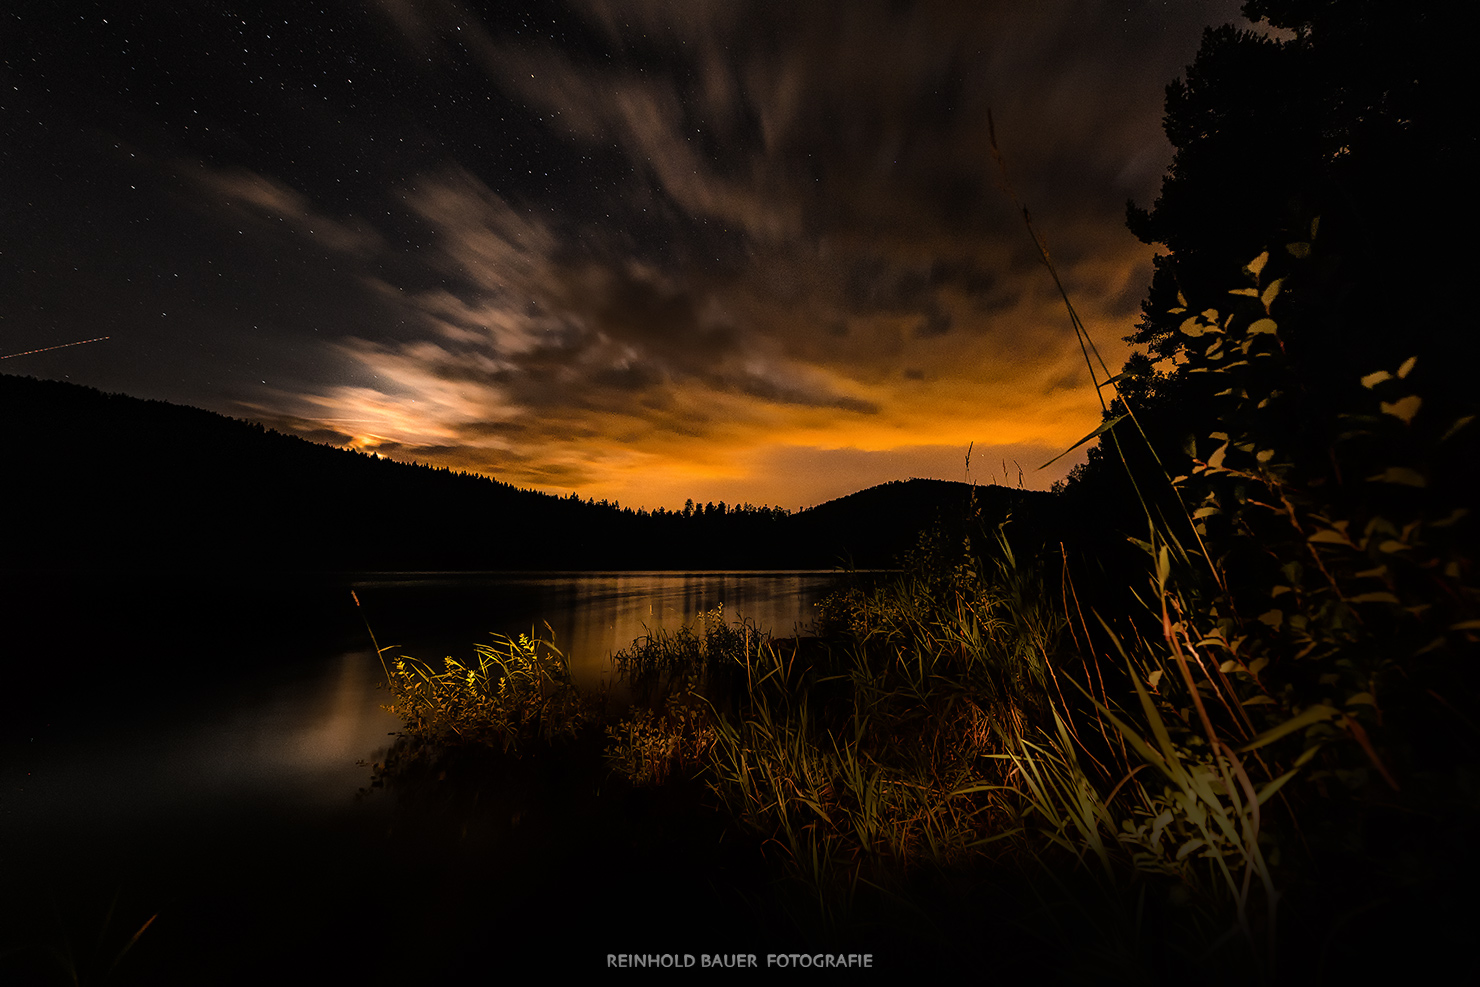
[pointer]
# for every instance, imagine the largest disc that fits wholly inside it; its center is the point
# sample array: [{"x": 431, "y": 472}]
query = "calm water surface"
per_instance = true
[
  {"x": 187, "y": 749},
  {"x": 254, "y": 715}
]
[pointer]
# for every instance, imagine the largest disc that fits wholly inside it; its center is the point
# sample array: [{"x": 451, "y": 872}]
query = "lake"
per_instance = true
[{"x": 193, "y": 748}]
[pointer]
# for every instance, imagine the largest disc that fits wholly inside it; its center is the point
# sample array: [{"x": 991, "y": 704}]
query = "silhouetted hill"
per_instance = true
[
  {"x": 106, "y": 481},
  {"x": 873, "y": 527}
]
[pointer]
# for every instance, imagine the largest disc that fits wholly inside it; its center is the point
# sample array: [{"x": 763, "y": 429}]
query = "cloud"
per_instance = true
[
  {"x": 809, "y": 247},
  {"x": 271, "y": 205}
]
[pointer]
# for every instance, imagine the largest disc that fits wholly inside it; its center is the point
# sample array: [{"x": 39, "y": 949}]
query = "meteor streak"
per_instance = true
[{"x": 59, "y": 346}]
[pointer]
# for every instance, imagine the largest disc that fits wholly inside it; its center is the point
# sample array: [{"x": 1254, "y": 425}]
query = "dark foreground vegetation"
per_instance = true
[{"x": 1222, "y": 727}]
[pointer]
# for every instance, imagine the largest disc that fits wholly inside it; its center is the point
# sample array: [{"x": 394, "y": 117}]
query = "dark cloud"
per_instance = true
[
  {"x": 935, "y": 323},
  {"x": 626, "y": 244}
]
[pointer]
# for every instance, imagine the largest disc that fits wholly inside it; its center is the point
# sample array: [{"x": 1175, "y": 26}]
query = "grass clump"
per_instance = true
[
  {"x": 676, "y": 678},
  {"x": 871, "y": 755},
  {"x": 515, "y": 696},
  {"x": 648, "y": 746}
]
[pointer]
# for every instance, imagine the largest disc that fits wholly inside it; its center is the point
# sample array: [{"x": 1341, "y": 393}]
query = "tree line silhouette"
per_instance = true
[
  {"x": 1339, "y": 136},
  {"x": 108, "y": 482}
]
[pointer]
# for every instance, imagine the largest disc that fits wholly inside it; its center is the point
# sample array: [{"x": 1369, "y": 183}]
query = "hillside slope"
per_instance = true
[{"x": 95, "y": 481}]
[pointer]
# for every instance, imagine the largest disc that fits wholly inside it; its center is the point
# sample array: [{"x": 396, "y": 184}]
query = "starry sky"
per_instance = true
[{"x": 640, "y": 250}]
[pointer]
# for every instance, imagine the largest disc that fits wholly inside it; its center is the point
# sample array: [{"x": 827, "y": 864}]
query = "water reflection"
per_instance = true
[
  {"x": 291, "y": 740},
  {"x": 287, "y": 734},
  {"x": 592, "y": 615},
  {"x": 305, "y": 739}
]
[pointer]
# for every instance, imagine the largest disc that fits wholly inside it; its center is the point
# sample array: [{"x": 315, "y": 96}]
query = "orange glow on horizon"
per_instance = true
[{"x": 786, "y": 381}]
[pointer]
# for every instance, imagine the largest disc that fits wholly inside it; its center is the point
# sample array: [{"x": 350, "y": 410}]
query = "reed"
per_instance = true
[
  {"x": 516, "y": 693},
  {"x": 872, "y": 758},
  {"x": 89, "y": 951},
  {"x": 648, "y": 747}
]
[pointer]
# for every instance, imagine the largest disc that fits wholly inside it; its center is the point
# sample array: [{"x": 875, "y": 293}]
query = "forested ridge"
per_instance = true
[{"x": 106, "y": 481}]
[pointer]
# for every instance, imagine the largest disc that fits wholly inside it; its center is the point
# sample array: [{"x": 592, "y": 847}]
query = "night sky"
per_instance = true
[{"x": 640, "y": 250}]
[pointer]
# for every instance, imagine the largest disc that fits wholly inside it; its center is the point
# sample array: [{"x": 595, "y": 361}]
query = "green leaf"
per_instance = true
[
  {"x": 1271, "y": 292},
  {"x": 1376, "y": 377},
  {"x": 1407, "y": 366},
  {"x": 1459, "y": 424},
  {"x": 1327, "y": 536},
  {"x": 1256, "y": 265},
  {"x": 1299, "y": 250},
  {"x": 1378, "y": 525},
  {"x": 1268, "y": 790},
  {"x": 1404, "y": 408},
  {"x": 1188, "y": 848},
  {"x": 1105, "y": 426},
  {"x": 1167, "y": 761},
  {"x": 1399, "y": 474},
  {"x": 1314, "y": 714},
  {"x": 1263, "y": 325},
  {"x": 1251, "y": 292},
  {"x": 1274, "y": 786}
]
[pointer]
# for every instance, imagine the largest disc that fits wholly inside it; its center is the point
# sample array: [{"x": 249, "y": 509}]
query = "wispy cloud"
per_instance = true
[
  {"x": 269, "y": 205},
  {"x": 808, "y": 254}
]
